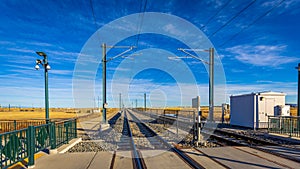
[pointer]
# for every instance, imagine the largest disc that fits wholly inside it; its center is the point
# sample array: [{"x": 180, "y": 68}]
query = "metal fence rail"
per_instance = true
[
  {"x": 10, "y": 125},
  {"x": 18, "y": 145},
  {"x": 286, "y": 125}
]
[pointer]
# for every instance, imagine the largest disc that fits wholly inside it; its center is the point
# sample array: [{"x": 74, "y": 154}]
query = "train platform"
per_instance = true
[
  {"x": 221, "y": 157},
  {"x": 218, "y": 157},
  {"x": 91, "y": 160}
]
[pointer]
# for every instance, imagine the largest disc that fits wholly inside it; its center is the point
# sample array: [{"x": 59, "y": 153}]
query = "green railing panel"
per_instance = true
[
  {"x": 13, "y": 147},
  {"x": 20, "y": 144},
  {"x": 286, "y": 125}
]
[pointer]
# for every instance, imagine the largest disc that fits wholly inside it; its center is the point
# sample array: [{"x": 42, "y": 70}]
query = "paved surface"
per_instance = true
[
  {"x": 284, "y": 151},
  {"x": 270, "y": 157},
  {"x": 240, "y": 157},
  {"x": 235, "y": 158},
  {"x": 123, "y": 160},
  {"x": 161, "y": 159},
  {"x": 75, "y": 160},
  {"x": 205, "y": 161}
]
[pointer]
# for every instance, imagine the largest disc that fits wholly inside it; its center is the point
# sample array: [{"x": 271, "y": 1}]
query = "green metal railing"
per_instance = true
[
  {"x": 10, "y": 125},
  {"x": 21, "y": 144},
  {"x": 286, "y": 125}
]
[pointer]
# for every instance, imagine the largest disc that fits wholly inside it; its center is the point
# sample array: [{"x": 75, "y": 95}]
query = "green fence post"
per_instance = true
[
  {"x": 30, "y": 134},
  {"x": 15, "y": 125},
  {"x": 268, "y": 124},
  {"x": 75, "y": 128},
  {"x": 280, "y": 125},
  {"x": 298, "y": 125},
  {"x": 52, "y": 135},
  {"x": 291, "y": 126},
  {"x": 67, "y": 131}
]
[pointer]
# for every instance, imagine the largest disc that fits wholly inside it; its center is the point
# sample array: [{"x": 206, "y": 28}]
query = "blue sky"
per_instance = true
[{"x": 256, "y": 41}]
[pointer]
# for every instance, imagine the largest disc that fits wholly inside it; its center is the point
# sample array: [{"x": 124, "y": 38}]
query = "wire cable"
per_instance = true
[
  {"x": 252, "y": 23},
  {"x": 212, "y": 17},
  {"x": 231, "y": 19},
  {"x": 93, "y": 13},
  {"x": 141, "y": 22}
]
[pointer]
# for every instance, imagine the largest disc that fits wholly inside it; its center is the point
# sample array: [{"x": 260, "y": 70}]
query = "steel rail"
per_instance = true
[
  {"x": 187, "y": 159},
  {"x": 137, "y": 163}
]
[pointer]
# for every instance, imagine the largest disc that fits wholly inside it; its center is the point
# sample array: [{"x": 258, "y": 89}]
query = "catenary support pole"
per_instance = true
[
  {"x": 104, "y": 83},
  {"x": 211, "y": 84},
  {"x": 298, "y": 100},
  {"x": 145, "y": 105}
]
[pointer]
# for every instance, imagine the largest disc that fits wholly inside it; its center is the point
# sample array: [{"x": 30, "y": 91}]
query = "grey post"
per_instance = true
[
  {"x": 104, "y": 83},
  {"x": 198, "y": 121},
  {"x": 145, "y": 105},
  {"x": 211, "y": 84},
  {"x": 120, "y": 101},
  {"x": 298, "y": 100}
]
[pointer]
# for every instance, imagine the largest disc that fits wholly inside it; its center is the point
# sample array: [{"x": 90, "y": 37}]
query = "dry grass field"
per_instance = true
[
  {"x": 293, "y": 111},
  {"x": 39, "y": 113},
  {"x": 36, "y": 116},
  {"x": 187, "y": 112},
  {"x": 217, "y": 111},
  {"x": 55, "y": 113}
]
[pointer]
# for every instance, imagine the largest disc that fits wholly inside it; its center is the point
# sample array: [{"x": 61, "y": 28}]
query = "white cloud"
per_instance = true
[
  {"x": 286, "y": 4},
  {"x": 237, "y": 70},
  {"x": 62, "y": 72},
  {"x": 64, "y": 53},
  {"x": 261, "y": 55},
  {"x": 286, "y": 87},
  {"x": 173, "y": 30},
  {"x": 40, "y": 44},
  {"x": 21, "y": 50},
  {"x": 6, "y": 43}
]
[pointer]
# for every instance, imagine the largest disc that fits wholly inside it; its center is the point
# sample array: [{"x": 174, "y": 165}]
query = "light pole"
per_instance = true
[
  {"x": 211, "y": 76},
  {"x": 104, "y": 61},
  {"x": 46, "y": 66}
]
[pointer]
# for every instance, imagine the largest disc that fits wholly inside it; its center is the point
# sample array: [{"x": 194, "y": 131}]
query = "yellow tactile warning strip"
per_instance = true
[{"x": 23, "y": 164}]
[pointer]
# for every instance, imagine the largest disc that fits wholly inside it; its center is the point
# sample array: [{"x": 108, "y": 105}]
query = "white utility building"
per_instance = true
[{"x": 252, "y": 110}]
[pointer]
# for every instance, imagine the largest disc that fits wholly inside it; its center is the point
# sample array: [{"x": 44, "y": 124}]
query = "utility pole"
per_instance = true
[
  {"x": 104, "y": 83},
  {"x": 104, "y": 61},
  {"x": 211, "y": 84},
  {"x": 145, "y": 105},
  {"x": 135, "y": 103},
  {"x": 211, "y": 76},
  {"x": 120, "y": 101},
  {"x": 98, "y": 102},
  {"x": 298, "y": 98}
]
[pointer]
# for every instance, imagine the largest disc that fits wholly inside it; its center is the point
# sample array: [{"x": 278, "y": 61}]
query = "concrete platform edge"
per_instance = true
[{"x": 72, "y": 143}]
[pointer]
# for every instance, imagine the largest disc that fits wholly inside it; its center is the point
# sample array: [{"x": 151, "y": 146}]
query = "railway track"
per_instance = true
[
  {"x": 158, "y": 143},
  {"x": 235, "y": 139},
  {"x": 138, "y": 135}
]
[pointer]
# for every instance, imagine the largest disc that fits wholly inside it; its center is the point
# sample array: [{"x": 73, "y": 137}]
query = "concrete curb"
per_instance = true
[{"x": 72, "y": 143}]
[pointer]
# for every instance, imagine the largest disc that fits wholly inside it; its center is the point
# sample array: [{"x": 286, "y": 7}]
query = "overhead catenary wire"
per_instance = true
[
  {"x": 93, "y": 13},
  {"x": 232, "y": 18},
  {"x": 216, "y": 14},
  {"x": 252, "y": 23},
  {"x": 142, "y": 10},
  {"x": 141, "y": 20}
]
